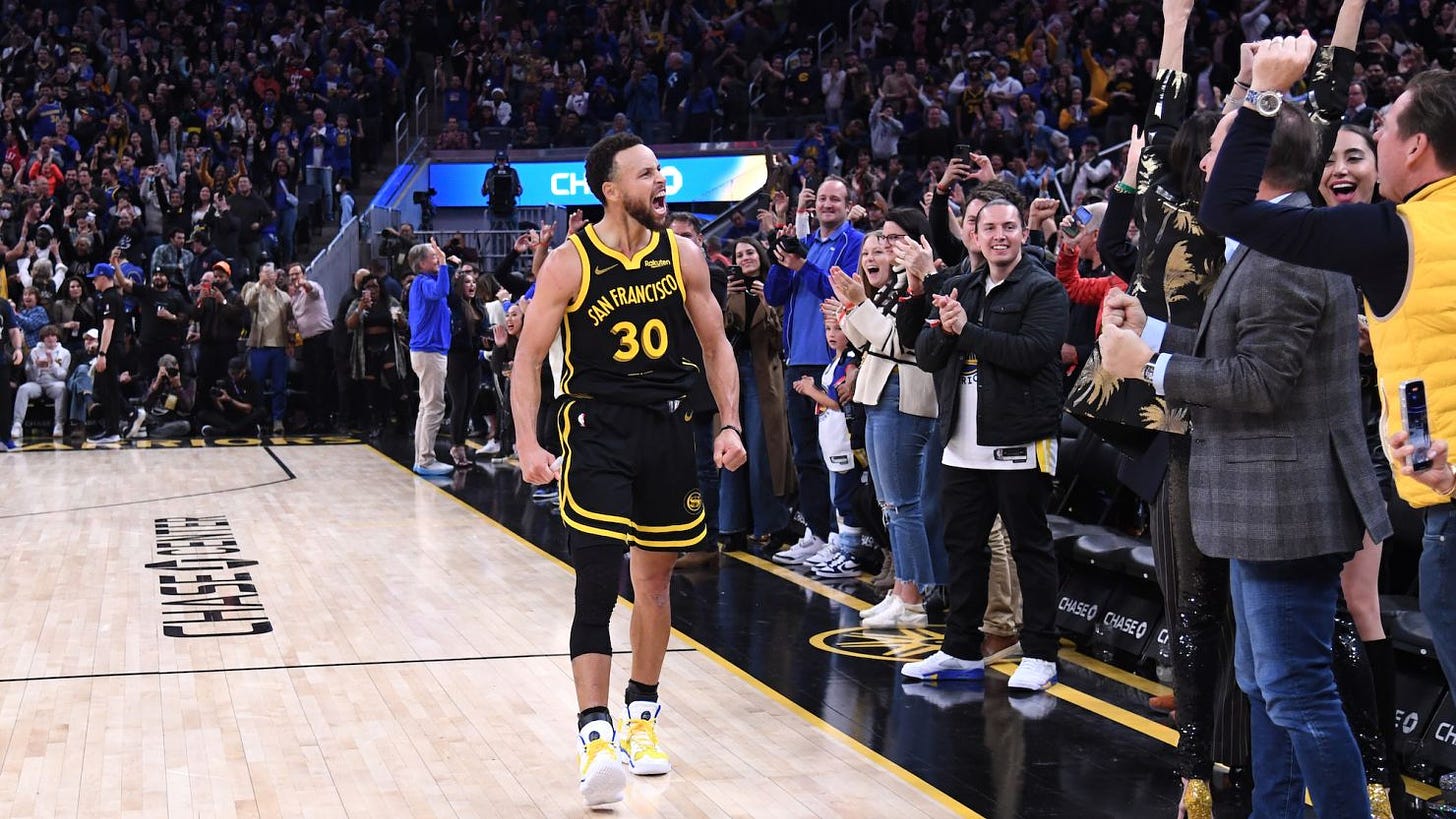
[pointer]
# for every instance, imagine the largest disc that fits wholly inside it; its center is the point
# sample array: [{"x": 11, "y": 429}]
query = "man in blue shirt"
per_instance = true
[
  {"x": 798, "y": 286},
  {"x": 429, "y": 321}
]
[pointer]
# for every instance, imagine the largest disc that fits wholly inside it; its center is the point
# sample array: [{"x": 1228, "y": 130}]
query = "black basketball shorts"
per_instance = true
[{"x": 629, "y": 473}]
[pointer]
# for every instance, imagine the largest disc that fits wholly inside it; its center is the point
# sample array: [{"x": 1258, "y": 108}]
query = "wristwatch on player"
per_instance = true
[
  {"x": 1149, "y": 368},
  {"x": 1267, "y": 103}
]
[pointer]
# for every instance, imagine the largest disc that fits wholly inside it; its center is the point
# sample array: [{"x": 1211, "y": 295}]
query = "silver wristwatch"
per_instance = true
[
  {"x": 1267, "y": 103},
  {"x": 1149, "y": 368}
]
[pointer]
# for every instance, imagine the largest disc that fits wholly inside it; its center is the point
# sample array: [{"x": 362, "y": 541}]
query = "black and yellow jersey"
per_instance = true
[{"x": 624, "y": 331}]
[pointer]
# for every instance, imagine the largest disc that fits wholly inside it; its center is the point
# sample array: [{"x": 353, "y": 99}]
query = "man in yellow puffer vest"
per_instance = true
[{"x": 1402, "y": 254}]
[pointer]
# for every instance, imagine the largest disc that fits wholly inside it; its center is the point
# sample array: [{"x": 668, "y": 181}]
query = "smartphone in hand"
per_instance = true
[{"x": 1413, "y": 411}]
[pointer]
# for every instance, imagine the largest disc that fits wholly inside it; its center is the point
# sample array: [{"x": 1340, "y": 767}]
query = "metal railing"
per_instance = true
[
  {"x": 827, "y": 39},
  {"x": 401, "y": 136}
]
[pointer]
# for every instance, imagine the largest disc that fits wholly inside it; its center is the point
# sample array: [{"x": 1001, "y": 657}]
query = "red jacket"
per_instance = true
[{"x": 1084, "y": 289}]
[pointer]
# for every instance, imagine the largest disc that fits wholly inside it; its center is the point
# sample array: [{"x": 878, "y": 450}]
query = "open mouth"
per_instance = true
[
  {"x": 1343, "y": 192},
  {"x": 999, "y": 246},
  {"x": 659, "y": 204}
]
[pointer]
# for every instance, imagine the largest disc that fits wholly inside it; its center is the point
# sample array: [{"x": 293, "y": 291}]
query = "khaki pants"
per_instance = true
[
  {"x": 1003, "y": 591},
  {"x": 430, "y": 367}
]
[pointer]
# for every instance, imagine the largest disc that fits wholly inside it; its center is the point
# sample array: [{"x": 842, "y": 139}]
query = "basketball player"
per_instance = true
[{"x": 624, "y": 293}]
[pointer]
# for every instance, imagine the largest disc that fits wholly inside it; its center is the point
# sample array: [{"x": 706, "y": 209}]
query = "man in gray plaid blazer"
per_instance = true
[{"x": 1281, "y": 483}]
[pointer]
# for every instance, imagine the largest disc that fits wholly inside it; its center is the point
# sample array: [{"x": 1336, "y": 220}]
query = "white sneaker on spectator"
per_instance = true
[
  {"x": 210, "y": 431},
  {"x": 1033, "y": 675},
  {"x": 838, "y": 568},
  {"x": 103, "y": 439},
  {"x": 942, "y": 666},
  {"x": 15, "y": 432},
  {"x": 57, "y": 432},
  {"x": 906, "y": 615},
  {"x": 808, "y": 546},
  {"x": 278, "y": 427},
  {"x": 826, "y": 554},
  {"x": 137, "y": 421},
  {"x": 491, "y": 447},
  {"x": 890, "y": 600}
]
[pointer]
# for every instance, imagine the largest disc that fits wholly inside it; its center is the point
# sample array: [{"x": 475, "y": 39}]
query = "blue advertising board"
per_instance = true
[{"x": 689, "y": 179}]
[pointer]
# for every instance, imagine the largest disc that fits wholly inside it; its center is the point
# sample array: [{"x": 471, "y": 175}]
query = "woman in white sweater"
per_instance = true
[{"x": 900, "y": 413}]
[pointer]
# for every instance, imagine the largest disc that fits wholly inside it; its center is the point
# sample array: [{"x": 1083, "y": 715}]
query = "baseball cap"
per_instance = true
[
  {"x": 226, "y": 268},
  {"x": 102, "y": 269},
  {"x": 93, "y": 333}
]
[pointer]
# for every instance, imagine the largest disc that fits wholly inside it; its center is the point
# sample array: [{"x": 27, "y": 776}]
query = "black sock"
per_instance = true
[
  {"x": 591, "y": 714},
  {"x": 638, "y": 692}
]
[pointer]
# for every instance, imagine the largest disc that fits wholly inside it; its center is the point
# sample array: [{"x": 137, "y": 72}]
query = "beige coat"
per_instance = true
[
  {"x": 765, "y": 343},
  {"x": 871, "y": 330}
]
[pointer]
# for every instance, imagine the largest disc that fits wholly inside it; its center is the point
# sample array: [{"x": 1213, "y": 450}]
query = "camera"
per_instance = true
[
  {"x": 217, "y": 391},
  {"x": 172, "y": 372},
  {"x": 424, "y": 197},
  {"x": 734, "y": 272},
  {"x": 789, "y": 244}
]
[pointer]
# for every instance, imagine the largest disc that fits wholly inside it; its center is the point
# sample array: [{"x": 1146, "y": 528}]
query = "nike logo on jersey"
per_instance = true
[{"x": 600, "y": 270}]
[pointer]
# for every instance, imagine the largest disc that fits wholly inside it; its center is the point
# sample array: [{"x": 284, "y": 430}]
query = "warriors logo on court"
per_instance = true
[{"x": 897, "y": 646}]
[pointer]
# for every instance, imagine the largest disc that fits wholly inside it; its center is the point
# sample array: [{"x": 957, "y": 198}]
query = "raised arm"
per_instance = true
[{"x": 1175, "y": 31}]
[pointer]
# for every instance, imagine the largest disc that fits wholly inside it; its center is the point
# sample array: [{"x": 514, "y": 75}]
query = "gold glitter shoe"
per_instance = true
[
  {"x": 1379, "y": 801},
  {"x": 1197, "y": 800}
]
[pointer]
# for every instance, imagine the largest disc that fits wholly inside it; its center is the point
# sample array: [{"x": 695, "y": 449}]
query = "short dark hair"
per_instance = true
[
  {"x": 913, "y": 220},
  {"x": 1292, "y": 150},
  {"x": 1432, "y": 111},
  {"x": 601, "y": 160},
  {"x": 988, "y": 192},
  {"x": 684, "y": 216},
  {"x": 997, "y": 202}
]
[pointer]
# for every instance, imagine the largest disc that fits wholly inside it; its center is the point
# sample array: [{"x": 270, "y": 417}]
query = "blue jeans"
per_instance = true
[
  {"x": 845, "y": 484},
  {"x": 748, "y": 494},
  {"x": 270, "y": 364},
  {"x": 808, "y": 461},
  {"x": 904, "y": 453},
  {"x": 1438, "y": 584},
  {"x": 1284, "y": 663},
  {"x": 78, "y": 386}
]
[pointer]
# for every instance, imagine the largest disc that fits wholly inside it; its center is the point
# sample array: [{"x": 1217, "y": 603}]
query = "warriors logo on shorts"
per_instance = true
[{"x": 693, "y": 502}]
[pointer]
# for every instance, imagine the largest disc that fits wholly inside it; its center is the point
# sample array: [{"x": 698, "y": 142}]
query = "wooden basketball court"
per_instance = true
[{"x": 313, "y": 630}]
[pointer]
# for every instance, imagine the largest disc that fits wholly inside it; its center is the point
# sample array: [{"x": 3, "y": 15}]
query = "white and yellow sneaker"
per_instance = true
[
  {"x": 637, "y": 740},
  {"x": 602, "y": 779}
]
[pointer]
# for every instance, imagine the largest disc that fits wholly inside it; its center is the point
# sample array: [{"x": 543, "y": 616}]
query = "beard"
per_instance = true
[{"x": 642, "y": 211}]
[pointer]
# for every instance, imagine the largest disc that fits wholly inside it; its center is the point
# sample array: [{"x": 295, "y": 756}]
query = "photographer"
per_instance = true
[
  {"x": 501, "y": 188},
  {"x": 167, "y": 405},
  {"x": 221, "y": 318},
  {"x": 797, "y": 283},
  {"x": 234, "y": 404}
]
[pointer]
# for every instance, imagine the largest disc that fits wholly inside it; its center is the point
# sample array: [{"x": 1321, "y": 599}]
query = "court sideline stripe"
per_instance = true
[
  {"x": 903, "y": 774},
  {"x": 300, "y": 667},
  {"x": 1137, "y": 722}
]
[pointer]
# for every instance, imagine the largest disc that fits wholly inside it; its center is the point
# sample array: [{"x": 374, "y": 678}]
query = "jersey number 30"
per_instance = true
[{"x": 653, "y": 340}]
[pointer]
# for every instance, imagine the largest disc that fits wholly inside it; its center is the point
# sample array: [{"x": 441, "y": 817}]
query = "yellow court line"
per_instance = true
[
  {"x": 800, "y": 580},
  {"x": 906, "y": 776},
  {"x": 1121, "y": 716},
  {"x": 1136, "y": 722},
  {"x": 1112, "y": 672}
]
